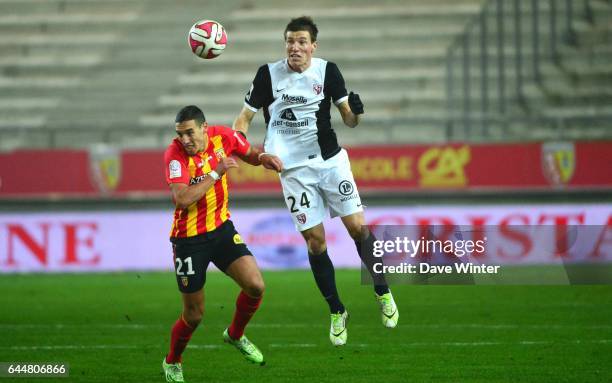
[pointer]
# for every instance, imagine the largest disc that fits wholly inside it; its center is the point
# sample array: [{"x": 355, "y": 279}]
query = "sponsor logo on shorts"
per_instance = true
[
  {"x": 185, "y": 281},
  {"x": 346, "y": 188},
  {"x": 301, "y": 218},
  {"x": 238, "y": 239}
]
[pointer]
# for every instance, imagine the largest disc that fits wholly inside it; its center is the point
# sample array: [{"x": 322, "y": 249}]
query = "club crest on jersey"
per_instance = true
[
  {"x": 301, "y": 218},
  {"x": 317, "y": 88},
  {"x": 220, "y": 153},
  {"x": 184, "y": 281}
]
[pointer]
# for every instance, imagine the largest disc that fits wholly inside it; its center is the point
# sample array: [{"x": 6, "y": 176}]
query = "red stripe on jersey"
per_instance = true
[
  {"x": 211, "y": 210},
  {"x": 220, "y": 190}
]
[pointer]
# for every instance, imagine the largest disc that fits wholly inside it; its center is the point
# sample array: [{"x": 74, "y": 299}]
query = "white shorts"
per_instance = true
[{"x": 310, "y": 190}]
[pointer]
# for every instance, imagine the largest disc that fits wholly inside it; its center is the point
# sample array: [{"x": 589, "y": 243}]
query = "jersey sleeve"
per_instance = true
[
  {"x": 260, "y": 94},
  {"x": 334, "y": 84},
  {"x": 234, "y": 142},
  {"x": 176, "y": 168}
]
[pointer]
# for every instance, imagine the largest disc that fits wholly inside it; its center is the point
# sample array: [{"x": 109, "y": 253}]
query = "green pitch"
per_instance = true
[{"x": 115, "y": 328}]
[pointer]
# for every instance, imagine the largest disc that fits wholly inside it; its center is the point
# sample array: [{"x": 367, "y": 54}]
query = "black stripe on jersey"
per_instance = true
[
  {"x": 333, "y": 89},
  {"x": 328, "y": 142},
  {"x": 260, "y": 95}
]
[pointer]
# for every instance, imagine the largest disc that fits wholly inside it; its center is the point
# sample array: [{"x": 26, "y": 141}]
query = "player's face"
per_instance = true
[
  {"x": 299, "y": 48},
  {"x": 192, "y": 136}
]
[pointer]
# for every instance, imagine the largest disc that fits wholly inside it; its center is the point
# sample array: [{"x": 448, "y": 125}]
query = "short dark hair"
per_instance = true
[
  {"x": 190, "y": 112},
  {"x": 303, "y": 23}
]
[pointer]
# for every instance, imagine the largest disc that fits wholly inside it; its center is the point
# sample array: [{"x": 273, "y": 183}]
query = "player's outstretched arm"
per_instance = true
[
  {"x": 351, "y": 110},
  {"x": 184, "y": 195},
  {"x": 256, "y": 157},
  {"x": 243, "y": 121}
]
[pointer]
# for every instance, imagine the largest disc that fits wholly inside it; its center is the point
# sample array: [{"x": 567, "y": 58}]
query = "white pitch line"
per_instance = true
[
  {"x": 312, "y": 345},
  {"x": 72, "y": 347},
  {"x": 61, "y": 326},
  {"x": 289, "y": 345}
]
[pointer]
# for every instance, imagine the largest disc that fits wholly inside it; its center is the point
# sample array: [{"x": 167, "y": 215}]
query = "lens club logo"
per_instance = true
[
  {"x": 220, "y": 153},
  {"x": 317, "y": 88},
  {"x": 345, "y": 188},
  {"x": 558, "y": 161},
  {"x": 105, "y": 167}
]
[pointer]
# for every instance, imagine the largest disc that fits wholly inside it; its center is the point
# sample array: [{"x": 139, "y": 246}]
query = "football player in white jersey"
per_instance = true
[{"x": 296, "y": 94}]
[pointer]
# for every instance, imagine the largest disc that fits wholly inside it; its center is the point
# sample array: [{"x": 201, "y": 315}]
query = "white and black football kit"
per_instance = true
[{"x": 317, "y": 173}]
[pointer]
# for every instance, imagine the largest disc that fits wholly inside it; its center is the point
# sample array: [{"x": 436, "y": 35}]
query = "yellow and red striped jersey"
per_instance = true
[{"x": 211, "y": 210}]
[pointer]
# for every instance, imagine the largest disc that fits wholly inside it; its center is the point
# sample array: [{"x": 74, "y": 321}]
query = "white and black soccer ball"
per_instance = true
[{"x": 207, "y": 39}]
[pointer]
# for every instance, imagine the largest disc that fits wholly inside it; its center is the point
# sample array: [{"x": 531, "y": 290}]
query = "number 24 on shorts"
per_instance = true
[{"x": 303, "y": 202}]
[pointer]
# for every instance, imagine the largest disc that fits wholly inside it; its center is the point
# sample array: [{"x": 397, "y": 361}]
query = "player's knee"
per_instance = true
[
  {"x": 316, "y": 244},
  {"x": 192, "y": 314},
  {"x": 357, "y": 231},
  {"x": 316, "y": 247},
  {"x": 255, "y": 288}
]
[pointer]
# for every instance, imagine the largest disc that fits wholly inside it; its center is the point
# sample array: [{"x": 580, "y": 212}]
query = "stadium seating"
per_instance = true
[
  {"x": 76, "y": 72},
  {"x": 570, "y": 99}
]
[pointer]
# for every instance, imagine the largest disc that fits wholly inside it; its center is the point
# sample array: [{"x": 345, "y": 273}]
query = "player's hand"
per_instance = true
[
  {"x": 272, "y": 162},
  {"x": 355, "y": 103},
  {"x": 224, "y": 164}
]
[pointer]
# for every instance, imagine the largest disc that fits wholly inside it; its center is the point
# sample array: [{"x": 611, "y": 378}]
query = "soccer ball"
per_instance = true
[{"x": 207, "y": 39}]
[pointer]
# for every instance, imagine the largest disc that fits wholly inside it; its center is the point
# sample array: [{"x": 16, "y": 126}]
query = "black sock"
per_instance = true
[
  {"x": 365, "y": 249},
  {"x": 323, "y": 271}
]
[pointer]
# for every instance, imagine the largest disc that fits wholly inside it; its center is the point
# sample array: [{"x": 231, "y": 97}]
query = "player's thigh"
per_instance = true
[
  {"x": 303, "y": 197},
  {"x": 233, "y": 257},
  {"x": 245, "y": 272},
  {"x": 190, "y": 263},
  {"x": 338, "y": 187}
]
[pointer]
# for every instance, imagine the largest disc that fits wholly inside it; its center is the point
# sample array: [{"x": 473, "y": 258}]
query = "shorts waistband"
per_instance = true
[{"x": 204, "y": 237}]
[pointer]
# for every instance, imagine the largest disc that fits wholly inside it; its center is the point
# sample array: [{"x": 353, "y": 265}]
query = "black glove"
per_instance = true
[{"x": 355, "y": 103}]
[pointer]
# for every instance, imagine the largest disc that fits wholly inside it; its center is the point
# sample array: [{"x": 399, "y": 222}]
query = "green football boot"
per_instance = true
[
  {"x": 337, "y": 330},
  {"x": 246, "y": 347},
  {"x": 388, "y": 308},
  {"x": 173, "y": 371}
]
